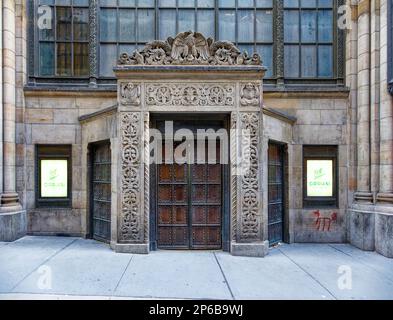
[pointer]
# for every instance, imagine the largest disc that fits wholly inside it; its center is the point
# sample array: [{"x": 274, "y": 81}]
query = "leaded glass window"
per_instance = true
[{"x": 63, "y": 44}]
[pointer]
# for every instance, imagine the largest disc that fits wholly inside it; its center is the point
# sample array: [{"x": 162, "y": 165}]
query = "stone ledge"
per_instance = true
[
  {"x": 255, "y": 249},
  {"x": 137, "y": 248},
  {"x": 13, "y": 225}
]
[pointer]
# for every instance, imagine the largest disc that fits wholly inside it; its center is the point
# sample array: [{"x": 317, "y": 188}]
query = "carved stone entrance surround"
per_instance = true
[{"x": 189, "y": 74}]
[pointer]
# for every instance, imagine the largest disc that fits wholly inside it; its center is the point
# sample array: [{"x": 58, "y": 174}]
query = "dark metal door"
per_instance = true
[
  {"x": 101, "y": 192},
  {"x": 189, "y": 205},
  {"x": 276, "y": 193}
]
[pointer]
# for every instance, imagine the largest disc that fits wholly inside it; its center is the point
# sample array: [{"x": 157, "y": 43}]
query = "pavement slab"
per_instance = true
[
  {"x": 324, "y": 263},
  {"x": 174, "y": 274},
  {"x": 372, "y": 259},
  {"x": 18, "y": 259},
  {"x": 272, "y": 277},
  {"x": 86, "y": 267}
]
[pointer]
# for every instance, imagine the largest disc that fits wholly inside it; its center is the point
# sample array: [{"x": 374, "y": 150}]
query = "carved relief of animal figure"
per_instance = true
[
  {"x": 190, "y": 46},
  {"x": 324, "y": 223}
]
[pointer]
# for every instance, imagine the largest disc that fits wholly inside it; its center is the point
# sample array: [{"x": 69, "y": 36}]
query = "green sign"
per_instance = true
[
  {"x": 54, "y": 174},
  {"x": 319, "y": 178}
]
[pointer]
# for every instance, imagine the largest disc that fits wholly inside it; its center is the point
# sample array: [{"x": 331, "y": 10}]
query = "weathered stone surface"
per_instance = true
[
  {"x": 259, "y": 249},
  {"x": 384, "y": 234},
  {"x": 362, "y": 229},
  {"x": 43, "y": 221},
  {"x": 12, "y": 226}
]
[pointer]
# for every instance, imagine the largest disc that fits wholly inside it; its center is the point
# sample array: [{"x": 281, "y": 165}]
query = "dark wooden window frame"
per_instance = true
[
  {"x": 34, "y": 47},
  {"x": 93, "y": 80},
  {"x": 313, "y": 152},
  {"x": 53, "y": 152}
]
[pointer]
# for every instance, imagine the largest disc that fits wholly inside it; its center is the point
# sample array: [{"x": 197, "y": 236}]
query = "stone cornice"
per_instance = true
[
  {"x": 100, "y": 113},
  {"x": 279, "y": 115}
]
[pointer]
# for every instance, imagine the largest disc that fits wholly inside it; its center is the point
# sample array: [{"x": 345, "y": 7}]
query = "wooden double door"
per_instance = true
[{"x": 189, "y": 206}]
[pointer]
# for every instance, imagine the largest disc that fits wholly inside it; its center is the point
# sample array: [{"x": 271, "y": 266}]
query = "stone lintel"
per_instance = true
[{"x": 227, "y": 73}]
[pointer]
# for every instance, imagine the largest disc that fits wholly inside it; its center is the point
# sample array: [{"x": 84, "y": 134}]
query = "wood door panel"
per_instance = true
[{"x": 189, "y": 206}]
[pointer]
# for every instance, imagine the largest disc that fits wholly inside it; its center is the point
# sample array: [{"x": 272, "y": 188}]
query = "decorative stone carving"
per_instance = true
[
  {"x": 249, "y": 185},
  {"x": 234, "y": 176},
  {"x": 130, "y": 94},
  {"x": 179, "y": 94},
  {"x": 131, "y": 207},
  {"x": 189, "y": 48},
  {"x": 250, "y": 95}
]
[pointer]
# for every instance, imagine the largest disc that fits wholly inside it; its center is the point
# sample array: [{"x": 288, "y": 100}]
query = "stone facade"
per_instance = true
[{"x": 358, "y": 119}]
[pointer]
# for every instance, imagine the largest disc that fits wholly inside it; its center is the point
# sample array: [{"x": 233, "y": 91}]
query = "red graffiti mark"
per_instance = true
[{"x": 324, "y": 223}]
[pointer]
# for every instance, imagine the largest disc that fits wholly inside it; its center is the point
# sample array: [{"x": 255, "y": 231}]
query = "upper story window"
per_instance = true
[
  {"x": 126, "y": 25},
  {"x": 298, "y": 39},
  {"x": 63, "y": 39},
  {"x": 308, "y": 38}
]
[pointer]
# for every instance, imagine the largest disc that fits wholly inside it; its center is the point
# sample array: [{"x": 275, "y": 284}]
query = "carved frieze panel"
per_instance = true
[
  {"x": 190, "y": 94},
  {"x": 131, "y": 183},
  {"x": 250, "y": 94},
  {"x": 130, "y": 94}
]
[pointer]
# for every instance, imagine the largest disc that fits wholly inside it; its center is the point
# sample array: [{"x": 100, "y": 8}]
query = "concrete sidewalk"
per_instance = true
[{"x": 72, "y": 268}]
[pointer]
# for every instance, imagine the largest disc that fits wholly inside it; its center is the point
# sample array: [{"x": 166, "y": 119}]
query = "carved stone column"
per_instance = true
[
  {"x": 247, "y": 238},
  {"x": 133, "y": 224}
]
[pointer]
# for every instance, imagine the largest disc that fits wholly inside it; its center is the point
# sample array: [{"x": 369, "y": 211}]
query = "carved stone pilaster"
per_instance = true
[
  {"x": 146, "y": 144},
  {"x": 247, "y": 233},
  {"x": 93, "y": 61},
  {"x": 279, "y": 39},
  {"x": 131, "y": 216},
  {"x": 250, "y": 199},
  {"x": 234, "y": 177}
]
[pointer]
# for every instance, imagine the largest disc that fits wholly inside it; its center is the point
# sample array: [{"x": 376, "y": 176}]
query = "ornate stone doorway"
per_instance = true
[{"x": 191, "y": 75}]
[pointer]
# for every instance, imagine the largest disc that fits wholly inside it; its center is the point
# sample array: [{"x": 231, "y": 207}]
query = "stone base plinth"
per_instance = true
[
  {"x": 384, "y": 234},
  {"x": 362, "y": 227},
  {"x": 13, "y": 225},
  {"x": 255, "y": 249},
  {"x": 139, "y": 248}
]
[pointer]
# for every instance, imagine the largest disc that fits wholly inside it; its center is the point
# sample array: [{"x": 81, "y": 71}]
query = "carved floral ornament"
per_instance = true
[{"x": 189, "y": 48}]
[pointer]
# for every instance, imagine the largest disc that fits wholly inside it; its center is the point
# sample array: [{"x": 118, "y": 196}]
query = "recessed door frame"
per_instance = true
[
  {"x": 285, "y": 205},
  {"x": 91, "y": 154},
  {"x": 224, "y": 118}
]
